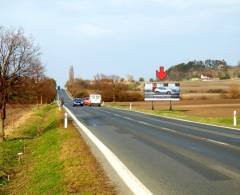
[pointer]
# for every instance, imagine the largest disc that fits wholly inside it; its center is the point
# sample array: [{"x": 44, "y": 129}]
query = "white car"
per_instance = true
[
  {"x": 163, "y": 90},
  {"x": 166, "y": 90}
]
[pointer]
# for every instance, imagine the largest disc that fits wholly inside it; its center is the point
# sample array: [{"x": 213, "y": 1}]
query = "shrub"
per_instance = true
[
  {"x": 234, "y": 92},
  {"x": 216, "y": 91},
  {"x": 223, "y": 75},
  {"x": 192, "y": 91}
]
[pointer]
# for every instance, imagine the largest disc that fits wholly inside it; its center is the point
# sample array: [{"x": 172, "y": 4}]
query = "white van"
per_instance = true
[{"x": 95, "y": 99}]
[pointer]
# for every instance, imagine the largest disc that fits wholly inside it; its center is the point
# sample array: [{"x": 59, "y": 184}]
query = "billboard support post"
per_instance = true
[
  {"x": 170, "y": 106},
  {"x": 152, "y": 106}
]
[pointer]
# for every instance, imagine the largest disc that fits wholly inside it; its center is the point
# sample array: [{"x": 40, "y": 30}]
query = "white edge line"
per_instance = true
[
  {"x": 68, "y": 93},
  {"x": 172, "y": 130},
  {"x": 176, "y": 118},
  {"x": 126, "y": 175}
]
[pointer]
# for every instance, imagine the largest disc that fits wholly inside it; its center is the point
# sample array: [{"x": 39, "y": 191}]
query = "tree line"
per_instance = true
[
  {"x": 22, "y": 78},
  {"x": 194, "y": 69},
  {"x": 111, "y": 87}
]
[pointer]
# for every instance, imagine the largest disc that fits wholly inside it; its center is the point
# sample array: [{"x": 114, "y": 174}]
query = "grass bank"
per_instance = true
[
  {"x": 54, "y": 160},
  {"x": 223, "y": 121}
]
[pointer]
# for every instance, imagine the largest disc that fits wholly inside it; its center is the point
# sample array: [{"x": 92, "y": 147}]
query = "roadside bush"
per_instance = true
[
  {"x": 123, "y": 96},
  {"x": 29, "y": 91},
  {"x": 129, "y": 96},
  {"x": 203, "y": 97},
  {"x": 216, "y": 91},
  {"x": 135, "y": 96},
  {"x": 80, "y": 93},
  {"x": 234, "y": 92},
  {"x": 107, "y": 95},
  {"x": 192, "y": 91},
  {"x": 223, "y": 75}
]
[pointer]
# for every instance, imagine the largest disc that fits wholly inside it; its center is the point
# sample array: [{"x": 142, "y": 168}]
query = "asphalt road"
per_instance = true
[{"x": 168, "y": 156}]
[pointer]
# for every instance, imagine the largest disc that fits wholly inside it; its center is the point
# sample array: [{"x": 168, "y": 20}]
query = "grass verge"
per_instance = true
[
  {"x": 54, "y": 160},
  {"x": 223, "y": 121}
]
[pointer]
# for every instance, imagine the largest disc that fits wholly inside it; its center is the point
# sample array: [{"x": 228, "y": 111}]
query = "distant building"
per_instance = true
[{"x": 205, "y": 78}]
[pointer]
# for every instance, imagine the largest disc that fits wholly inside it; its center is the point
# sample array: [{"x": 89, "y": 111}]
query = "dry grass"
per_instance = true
[
  {"x": 206, "y": 86},
  {"x": 17, "y": 115},
  {"x": 83, "y": 174},
  {"x": 56, "y": 161}
]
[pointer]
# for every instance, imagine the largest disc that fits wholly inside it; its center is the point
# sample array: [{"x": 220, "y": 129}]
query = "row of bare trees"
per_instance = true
[
  {"x": 21, "y": 71},
  {"x": 112, "y": 88}
]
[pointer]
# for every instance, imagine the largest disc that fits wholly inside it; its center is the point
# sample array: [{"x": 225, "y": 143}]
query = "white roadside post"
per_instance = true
[
  {"x": 59, "y": 105},
  {"x": 65, "y": 120},
  {"x": 130, "y": 106},
  {"x": 103, "y": 103},
  {"x": 234, "y": 118}
]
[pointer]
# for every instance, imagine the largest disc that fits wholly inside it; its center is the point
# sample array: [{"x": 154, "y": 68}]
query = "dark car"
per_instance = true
[{"x": 78, "y": 102}]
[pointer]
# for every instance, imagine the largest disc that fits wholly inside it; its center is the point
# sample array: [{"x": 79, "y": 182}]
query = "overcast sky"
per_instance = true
[{"x": 126, "y": 36}]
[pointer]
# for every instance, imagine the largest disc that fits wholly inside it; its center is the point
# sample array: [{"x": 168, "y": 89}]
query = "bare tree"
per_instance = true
[
  {"x": 151, "y": 80},
  {"x": 238, "y": 64},
  {"x": 115, "y": 80},
  {"x": 111, "y": 85},
  {"x": 71, "y": 74},
  {"x": 18, "y": 57},
  {"x": 130, "y": 78}
]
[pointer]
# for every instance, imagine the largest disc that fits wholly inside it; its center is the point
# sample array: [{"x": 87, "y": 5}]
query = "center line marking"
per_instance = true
[
  {"x": 166, "y": 129},
  {"x": 214, "y": 141}
]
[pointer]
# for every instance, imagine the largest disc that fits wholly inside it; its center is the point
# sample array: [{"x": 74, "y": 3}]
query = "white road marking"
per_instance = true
[
  {"x": 214, "y": 141},
  {"x": 144, "y": 123},
  {"x": 171, "y": 130},
  {"x": 134, "y": 184},
  {"x": 178, "y": 119},
  {"x": 126, "y": 118},
  {"x": 116, "y": 115},
  {"x": 167, "y": 129},
  {"x": 182, "y": 125}
]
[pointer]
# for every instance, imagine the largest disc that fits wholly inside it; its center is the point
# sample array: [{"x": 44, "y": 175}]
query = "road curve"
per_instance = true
[{"x": 168, "y": 156}]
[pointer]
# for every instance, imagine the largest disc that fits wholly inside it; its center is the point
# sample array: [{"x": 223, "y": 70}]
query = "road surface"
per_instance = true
[{"x": 168, "y": 156}]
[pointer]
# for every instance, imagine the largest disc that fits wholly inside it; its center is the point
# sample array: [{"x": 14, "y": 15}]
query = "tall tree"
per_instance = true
[
  {"x": 238, "y": 64},
  {"x": 71, "y": 74},
  {"x": 18, "y": 57}
]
